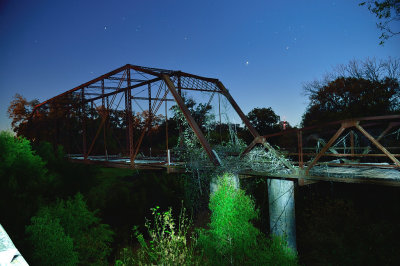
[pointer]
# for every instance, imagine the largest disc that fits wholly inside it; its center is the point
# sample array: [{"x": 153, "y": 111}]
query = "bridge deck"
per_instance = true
[
  {"x": 371, "y": 175},
  {"x": 345, "y": 174}
]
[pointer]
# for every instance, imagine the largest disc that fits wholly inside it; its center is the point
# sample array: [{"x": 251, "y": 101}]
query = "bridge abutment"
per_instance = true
[{"x": 282, "y": 210}]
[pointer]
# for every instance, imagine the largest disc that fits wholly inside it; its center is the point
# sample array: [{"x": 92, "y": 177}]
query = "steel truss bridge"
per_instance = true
[{"x": 365, "y": 150}]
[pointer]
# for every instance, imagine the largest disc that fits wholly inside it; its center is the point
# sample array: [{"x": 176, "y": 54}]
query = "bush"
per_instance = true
[
  {"x": 50, "y": 243},
  {"x": 21, "y": 170},
  {"x": 168, "y": 244},
  {"x": 24, "y": 182},
  {"x": 91, "y": 238},
  {"x": 232, "y": 239}
]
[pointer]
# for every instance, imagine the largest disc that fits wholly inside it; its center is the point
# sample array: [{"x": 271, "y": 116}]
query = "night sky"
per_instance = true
[{"x": 263, "y": 51}]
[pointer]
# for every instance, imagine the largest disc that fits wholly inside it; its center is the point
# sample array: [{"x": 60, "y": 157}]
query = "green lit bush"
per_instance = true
[
  {"x": 232, "y": 239},
  {"x": 168, "y": 242}
]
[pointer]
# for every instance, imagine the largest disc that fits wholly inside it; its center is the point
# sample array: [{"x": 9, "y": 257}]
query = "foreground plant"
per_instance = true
[
  {"x": 69, "y": 232},
  {"x": 231, "y": 238},
  {"x": 168, "y": 243}
]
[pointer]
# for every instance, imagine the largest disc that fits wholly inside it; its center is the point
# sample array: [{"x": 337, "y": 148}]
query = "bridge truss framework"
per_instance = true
[
  {"x": 127, "y": 80},
  {"x": 157, "y": 84}
]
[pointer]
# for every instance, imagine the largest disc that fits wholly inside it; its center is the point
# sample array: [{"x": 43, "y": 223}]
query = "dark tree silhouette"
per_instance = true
[
  {"x": 352, "y": 97},
  {"x": 264, "y": 120},
  {"x": 358, "y": 89},
  {"x": 19, "y": 111}
]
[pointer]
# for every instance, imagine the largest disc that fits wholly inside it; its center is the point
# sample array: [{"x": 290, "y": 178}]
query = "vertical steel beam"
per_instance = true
[
  {"x": 300, "y": 147},
  {"x": 150, "y": 114},
  {"x": 190, "y": 120},
  {"x": 149, "y": 92},
  {"x": 83, "y": 124},
  {"x": 129, "y": 115},
  {"x": 220, "y": 120},
  {"x": 108, "y": 113},
  {"x": 105, "y": 112},
  {"x": 166, "y": 125},
  {"x": 102, "y": 93},
  {"x": 352, "y": 142},
  {"x": 180, "y": 124},
  {"x": 378, "y": 145},
  {"x": 126, "y": 122}
]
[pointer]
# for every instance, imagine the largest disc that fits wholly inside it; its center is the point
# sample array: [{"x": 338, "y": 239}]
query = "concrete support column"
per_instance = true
[{"x": 281, "y": 210}]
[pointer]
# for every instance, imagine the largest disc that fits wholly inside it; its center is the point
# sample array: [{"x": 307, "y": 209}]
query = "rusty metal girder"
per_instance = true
[
  {"x": 84, "y": 85},
  {"x": 128, "y": 109},
  {"x": 325, "y": 148},
  {"x": 123, "y": 89},
  {"x": 235, "y": 106},
  {"x": 190, "y": 119},
  {"x": 378, "y": 145}
]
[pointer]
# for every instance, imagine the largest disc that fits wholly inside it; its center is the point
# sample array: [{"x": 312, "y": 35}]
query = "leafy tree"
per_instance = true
[
  {"x": 19, "y": 111},
  {"x": 91, "y": 238},
  {"x": 350, "y": 97},
  {"x": 23, "y": 180},
  {"x": 21, "y": 170},
  {"x": 386, "y": 11},
  {"x": 50, "y": 243},
  {"x": 264, "y": 120}
]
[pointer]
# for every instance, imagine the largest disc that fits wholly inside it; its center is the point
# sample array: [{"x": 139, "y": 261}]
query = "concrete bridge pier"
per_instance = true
[{"x": 282, "y": 210}]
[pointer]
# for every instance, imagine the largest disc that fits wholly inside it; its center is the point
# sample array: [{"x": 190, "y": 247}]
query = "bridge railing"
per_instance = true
[{"x": 366, "y": 141}]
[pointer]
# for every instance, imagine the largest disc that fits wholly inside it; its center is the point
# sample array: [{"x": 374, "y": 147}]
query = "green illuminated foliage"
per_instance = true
[
  {"x": 168, "y": 242},
  {"x": 232, "y": 239}
]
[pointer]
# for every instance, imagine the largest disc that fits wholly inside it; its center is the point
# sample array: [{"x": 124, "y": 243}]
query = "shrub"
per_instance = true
[
  {"x": 24, "y": 182},
  {"x": 231, "y": 238},
  {"x": 21, "y": 170},
  {"x": 168, "y": 244},
  {"x": 91, "y": 238},
  {"x": 50, "y": 243}
]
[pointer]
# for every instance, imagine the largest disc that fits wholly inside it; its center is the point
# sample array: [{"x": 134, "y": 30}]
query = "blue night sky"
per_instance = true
[{"x": 263, "y": 51}]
